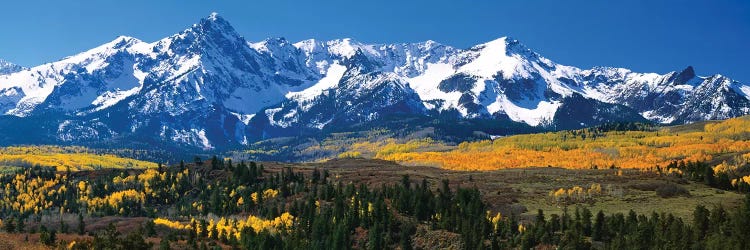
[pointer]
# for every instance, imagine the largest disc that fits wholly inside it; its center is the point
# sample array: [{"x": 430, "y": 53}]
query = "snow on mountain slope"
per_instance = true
[
  {"x": 361, "y": 94},
  {"x": 208, "y": 87},
  {"x": 744, "y": 89},
  {"x": 492, "y": 58},
  {"x": 503, "y": 77},
  {"x": 426, "y": 85},
  {"x": 37, "y": 83},
  {"x": 332, "y": 77}
]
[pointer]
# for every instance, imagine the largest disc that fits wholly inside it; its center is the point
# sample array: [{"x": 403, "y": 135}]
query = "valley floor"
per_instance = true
[{"x": 524, "y": 191}]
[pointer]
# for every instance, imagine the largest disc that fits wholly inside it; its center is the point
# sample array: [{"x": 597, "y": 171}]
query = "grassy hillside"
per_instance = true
[
  {"x": 713, "y": 142},
  {"x": 524, "y": 191}
]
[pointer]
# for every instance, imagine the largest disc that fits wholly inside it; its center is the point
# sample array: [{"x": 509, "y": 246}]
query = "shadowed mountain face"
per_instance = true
[{"x": 208, "y": 88}]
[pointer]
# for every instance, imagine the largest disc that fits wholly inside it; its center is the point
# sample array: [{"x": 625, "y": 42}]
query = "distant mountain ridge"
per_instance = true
[{"x": 207, "y": 87}]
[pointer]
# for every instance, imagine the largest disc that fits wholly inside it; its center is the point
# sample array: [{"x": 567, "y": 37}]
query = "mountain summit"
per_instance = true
[
  {"x": 8, "y": 67},
  {"x": 208, "y": 88}
]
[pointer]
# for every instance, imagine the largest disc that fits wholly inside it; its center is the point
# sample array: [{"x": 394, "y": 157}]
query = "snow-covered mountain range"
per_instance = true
[{"x": 210, "y": 88}]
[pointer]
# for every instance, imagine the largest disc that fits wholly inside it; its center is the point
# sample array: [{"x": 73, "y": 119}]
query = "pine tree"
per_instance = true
[
  {"x": 204, "y": 229},
  {"x": 215, "y": 163},
  {"x": 192, "y": 235},
  {"x": 149, "y": 228},
  {"x": 405, "y": 238},
  {"x": 164, "y": 244},
  {"x": 709, "y": 177},
  {"x": 701, "y": 221},
  {"x": 717, "y": 220},
  {"x": 598, "y": 231},
  {"x": 81, "y": 225},
  {"x": 10, "y": 225},
  {"x": 20, "y": 227},
  {"x": 315, "y": 176},
  {"x": 741, "y": 225},
  {"x": 214, "y": 233},
  {"x": 341, "y": 237},
  {"x": 63, "y": 226},
  {"x": 47, "y": 237},
  {"x": 375, "y": 237},
  {"x": 586, "y": 221}
]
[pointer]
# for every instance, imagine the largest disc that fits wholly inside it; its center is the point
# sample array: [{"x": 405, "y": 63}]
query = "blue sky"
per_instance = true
[{"x": 646, "y": 36}]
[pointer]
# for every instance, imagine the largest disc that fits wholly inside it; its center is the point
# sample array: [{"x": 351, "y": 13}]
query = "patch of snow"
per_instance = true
[
  {"x": 744, "y": 90},
  {"x": 275, "y": 122},
  {"x": 552, "y": 81},
  {"x": 685, "y": 87},
  {"x": 193, "y": 136},
  {"x": 491, "y": 58},
  {"x": 330, "y": 80},
  {"x": 651, "y": 115},
  {"x": 544, "y": 111},
  {"x": 426, "y": 85},
  {"x": 110, "y": 98},
  {"x": 203, "y": 139},
  {"x": 127, "y": 84},
  {"x": 321, "y": 125},
  {"x": 243, "y": 118}
]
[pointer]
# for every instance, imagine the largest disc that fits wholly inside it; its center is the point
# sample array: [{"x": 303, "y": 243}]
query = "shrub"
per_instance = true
[{"x": 668, "y": 190}]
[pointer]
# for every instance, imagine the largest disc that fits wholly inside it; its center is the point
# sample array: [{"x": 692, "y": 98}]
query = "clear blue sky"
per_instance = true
[{"x": 644, "y": 35}]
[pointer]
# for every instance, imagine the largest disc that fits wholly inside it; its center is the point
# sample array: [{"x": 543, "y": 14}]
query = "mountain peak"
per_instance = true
[
  {"x": 7, "y": 67},
  {"x": 214, "y": 22},
  {"x": 508, "y": 44},
  {"x": 684, "y": 76},
  {"x": 688, "y": 72},
  {"x": 123, "y": 41},
  {"x": 211, "y": 29},
  {"x": 214, "y": 16},
  {"x": 125, "y": 38},
  {"x": 430, "y": 44},
  {"x": 496, "y": 41}
]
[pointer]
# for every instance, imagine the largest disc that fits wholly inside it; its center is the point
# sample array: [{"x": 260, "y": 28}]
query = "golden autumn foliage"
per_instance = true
[
  {"x": 232, "y": 226},
  {"x": 494, "y": 220},
  {"x": 267, "y": 194},
  {"x": 575, "y": 194},
  {"x": 575, "y": 150},
  {"x": 172, "y": 224},
  {"x": 743, "y": 179},
  {"x": 33, "y": 191},
  {"x": 32, "y": 195},
  {"x": 350, "y": 154},
  {"x": 64, "y": 158},
  {"x": 115, "y": 199},
  {"x": 387, "y": 147}
]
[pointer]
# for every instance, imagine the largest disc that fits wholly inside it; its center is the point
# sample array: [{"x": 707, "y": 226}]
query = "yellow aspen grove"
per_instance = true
[
  {"x": 623, "y": 149},
  {"x": 64, "y": 158}
]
